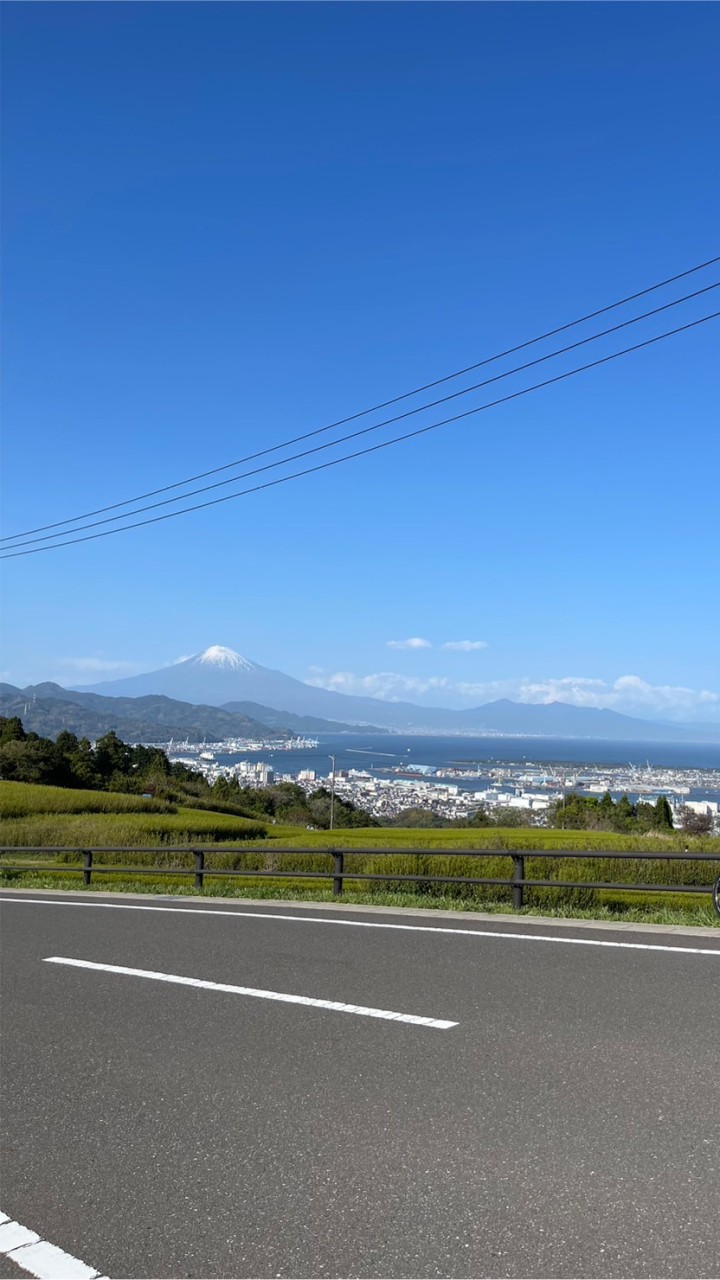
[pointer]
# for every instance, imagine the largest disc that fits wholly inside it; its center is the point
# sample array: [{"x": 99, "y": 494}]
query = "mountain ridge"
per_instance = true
[
  {"x": 202, "y": 679},
  {"x": 149, "y": 718},
  {"x": 48, "y": 708}
]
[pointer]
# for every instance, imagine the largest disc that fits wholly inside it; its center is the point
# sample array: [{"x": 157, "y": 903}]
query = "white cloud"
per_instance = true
[
  {"x": 465, "y": 646},
  {"x": 380, "y": 684},
  {"x": 628, "y": 694},
  {"x": 414, "y": 642}
]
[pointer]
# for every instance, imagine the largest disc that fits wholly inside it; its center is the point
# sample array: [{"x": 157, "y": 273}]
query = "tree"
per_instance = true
[
  {"x": 417, "y": 817},
  {"x": 345, "y": 814},
  {"x": 221, "y": 788},
  {"x": 286, "y": 797},
  {"x": 606, "y": 811},
  {"x": 625, "y": 815},
  {"x": 646, "y": 817},
  {"x": 150, "y": 764},
  {"x": 482, "y": 817},
  {"x": 29, "y": 759},
  {"x": 695, "y": 824},
  {"x": 112, "y": 755},
  {"x": 573, "y": 811},
  {"x": 512, "y": 816},
  {"x": 66, "y": 743},
  {"x": 82, "y": 766},
  {"x": 11, "y": 729},
  {"x": 663, "y": 814}
]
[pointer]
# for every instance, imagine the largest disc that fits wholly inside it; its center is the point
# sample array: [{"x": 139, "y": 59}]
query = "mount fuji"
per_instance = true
[{"x": 220, "y": 677}]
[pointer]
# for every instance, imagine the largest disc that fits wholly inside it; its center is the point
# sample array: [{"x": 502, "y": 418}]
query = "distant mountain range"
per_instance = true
[
  {"x": 220, "y": 677},
  {"x": 47, "y": 709}
]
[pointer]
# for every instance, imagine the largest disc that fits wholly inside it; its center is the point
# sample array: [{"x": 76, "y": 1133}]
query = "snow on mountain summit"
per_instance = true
[{"x": 219, "y": 656}]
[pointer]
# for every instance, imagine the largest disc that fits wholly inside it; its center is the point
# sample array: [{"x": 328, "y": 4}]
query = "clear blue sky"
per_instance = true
[{"x": 229, "y": 224}]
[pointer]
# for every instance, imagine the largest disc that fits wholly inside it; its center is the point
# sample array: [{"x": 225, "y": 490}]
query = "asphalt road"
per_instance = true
[{"x": 567, "y": 1126}]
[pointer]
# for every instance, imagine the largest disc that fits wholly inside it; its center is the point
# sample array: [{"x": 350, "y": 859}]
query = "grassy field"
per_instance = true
[
  {"x": 36, "y": 816},
  {"x": 27, "y": 799},
  {"x": 537, "y": 838}
]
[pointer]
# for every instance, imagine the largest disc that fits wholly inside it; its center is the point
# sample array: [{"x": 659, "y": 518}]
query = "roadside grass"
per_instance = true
[
  {"x": 633, "y": 908},
  {"x": 73, "y": 820},
  {"x": 249, "y": 856}
]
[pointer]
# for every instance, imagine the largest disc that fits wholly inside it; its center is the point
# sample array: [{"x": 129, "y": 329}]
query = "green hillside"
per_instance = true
[{"x": 34, "y": 815}]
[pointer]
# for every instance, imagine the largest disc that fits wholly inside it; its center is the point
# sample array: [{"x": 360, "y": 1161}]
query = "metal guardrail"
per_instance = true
[{"x": 518, "y": 881}]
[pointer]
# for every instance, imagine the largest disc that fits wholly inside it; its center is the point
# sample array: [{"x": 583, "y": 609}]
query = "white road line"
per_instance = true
[
  {"x": 39, "y": 1257},
  {"x": 439, "y": 1024},
  {"x": 368, "y": 924}
]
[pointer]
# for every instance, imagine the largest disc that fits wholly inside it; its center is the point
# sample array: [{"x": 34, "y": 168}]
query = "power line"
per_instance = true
[
  {"x": 385, "y": 404},
  {"x": 363, "y": 431},
  {"x": 375, "y": 448}
]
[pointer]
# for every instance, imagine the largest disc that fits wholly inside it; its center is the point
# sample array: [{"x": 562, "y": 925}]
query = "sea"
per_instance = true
[{"x": 385, "y": 752}]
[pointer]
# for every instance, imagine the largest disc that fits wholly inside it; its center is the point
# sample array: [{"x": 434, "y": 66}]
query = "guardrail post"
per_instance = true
[
  {"x": 716, "y": 896},
  {"x": 518, "y": 877},
  {"x": 87, "y": 865},
  {"x": 199, "y": 867},
  {"x": 338, "y": 873}
]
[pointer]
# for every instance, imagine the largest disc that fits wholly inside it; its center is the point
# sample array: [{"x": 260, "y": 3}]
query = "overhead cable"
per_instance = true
[
  {"x": 363, "y": 431},
  {"x": 384, "y": 444},
  {"x": 385, "y": 404}
]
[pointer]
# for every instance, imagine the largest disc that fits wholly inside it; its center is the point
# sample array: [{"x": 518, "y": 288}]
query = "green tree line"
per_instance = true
[
  {"x": 588, "y": 813},
  {"x": 113, "y": 765}
]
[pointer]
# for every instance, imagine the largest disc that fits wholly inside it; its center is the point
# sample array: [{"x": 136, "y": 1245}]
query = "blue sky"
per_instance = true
[{"x": 226, "y": 225}]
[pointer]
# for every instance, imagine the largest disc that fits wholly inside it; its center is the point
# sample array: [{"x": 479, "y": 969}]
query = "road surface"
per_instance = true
[{"x": 451, "y": 1096}]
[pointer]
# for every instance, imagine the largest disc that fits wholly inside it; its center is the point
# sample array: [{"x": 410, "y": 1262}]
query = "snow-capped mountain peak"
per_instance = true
[{"x": 219, "y": 656}]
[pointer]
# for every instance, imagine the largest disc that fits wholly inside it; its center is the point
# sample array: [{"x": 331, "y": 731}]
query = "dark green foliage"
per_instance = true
[
  {"x": 502, "y": 816},
  {"x": 482, "y": 817},
  {"x": 505, "y": 816},
  {"x": 11, "y": 729},
  {"x": 625, "y": 814},
  {"x": 695, "y": 824},
  {"x": 111, "y": 765},
  {"x": 286, "y": 802},
  {"x": 30, "y": 759},
  {"x": 221, "y": 788},
  {"x": 606, "y": 810},
  {"x": 585, "y": 813},
  {"x": 663, "y": 814},
  {"x": 112, "y": 756},
  {"x": 580, "y": 813},
  {"x": 417, "y": 817}
]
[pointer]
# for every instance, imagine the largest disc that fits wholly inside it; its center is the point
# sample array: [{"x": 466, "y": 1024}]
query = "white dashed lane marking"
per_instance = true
[
  {"x": 437, "y": 1024},
  {"x": 38, "y": 1257}
]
